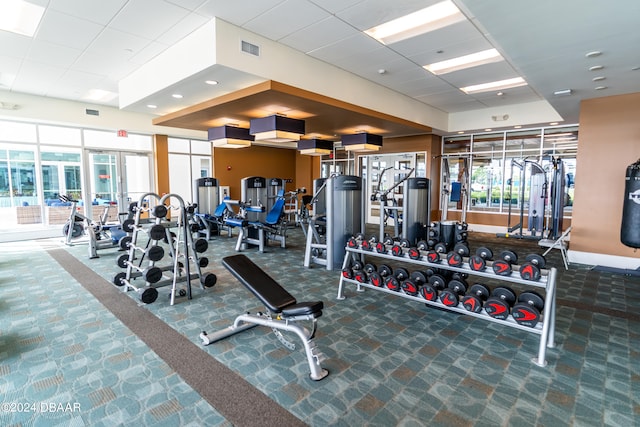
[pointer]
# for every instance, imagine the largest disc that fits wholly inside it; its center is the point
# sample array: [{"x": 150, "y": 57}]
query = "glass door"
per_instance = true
[{"x": 116, "y": 179}]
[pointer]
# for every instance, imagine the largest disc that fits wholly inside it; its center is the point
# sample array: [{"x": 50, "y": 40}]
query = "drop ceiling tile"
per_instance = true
[
  {"x": 147, "y": 53},
  {"x": 191, "y": 5},
  {"x": 335, "y": 6},
  {"x": 116, "y": 45},
  {"x": 186, "y": 26},
  {"x": 480, "y": 74},
  {"x": 13, "y": 45},
  {"x": 53, "y": 54},
  {"x": 237, "y": 12},
  {"x": 97, "y": 11},
  {"x": 322, "y": 33},
  {"x": 66, "y": 30},
  {"x": 37, "y": 78},
  {"x": 353, "y": 45},
  {"x": 459, "y": 35},
  {"x": 286, "y": 18},
  {"x": 159, "y": 16}
]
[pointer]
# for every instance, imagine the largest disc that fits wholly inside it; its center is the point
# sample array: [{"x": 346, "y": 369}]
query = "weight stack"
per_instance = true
[{"x": 630, "y": 227}]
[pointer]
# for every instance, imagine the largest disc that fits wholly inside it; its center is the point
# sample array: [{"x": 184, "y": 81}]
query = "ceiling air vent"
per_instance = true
[
  {"x": 92, "y": 112},
  {"x": 251, "y": 49}
]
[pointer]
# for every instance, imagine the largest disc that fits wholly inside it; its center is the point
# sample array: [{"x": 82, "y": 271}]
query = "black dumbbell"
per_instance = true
[
  {"x": 410, "y": 287},
  {"x": 368, "y": 244},
  {"x": 450, "y": 296},
  {"x": 420, "y": 277},
  {"x": 392, "y": 283},
  {"x": 347, "y": 273},
  {"x": 500, "y": 302},
  {"x": 422, "y": 246},
  {"x": 527, "y": 311},
  {"x": 430, "y": 290},
  {"x": 478, "y": 294},
  {"x": 414, "y": 253},
  {"x": 478, "y": 262},
  {"x": 455, "y": 257},
  {"x": 388, "y": 240},
  {"x": 530, "y": 270},
  {"x": 502, "y": 266},
  {"x": 380, "y": 248},
  {"x": 376, "y": 279},
  {"x": 384, "y": 270},
  {"x": 398, "y": 248},
  {"x": 353, "y": 242},
  {"x": 370, "y": 268}
]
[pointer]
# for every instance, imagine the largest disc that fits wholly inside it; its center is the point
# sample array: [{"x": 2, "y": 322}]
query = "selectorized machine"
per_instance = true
[{"x": 342, "y": 217}]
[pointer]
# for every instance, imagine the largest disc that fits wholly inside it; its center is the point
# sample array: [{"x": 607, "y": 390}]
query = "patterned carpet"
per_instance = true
[{"x": 392, "y": 361}]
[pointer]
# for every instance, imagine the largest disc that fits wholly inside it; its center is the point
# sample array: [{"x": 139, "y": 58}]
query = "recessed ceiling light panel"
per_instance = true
[
  {"x": 463, "y": 62},
  {"x": 497, "y": 85},
  {"x": 20, "y": 17}
]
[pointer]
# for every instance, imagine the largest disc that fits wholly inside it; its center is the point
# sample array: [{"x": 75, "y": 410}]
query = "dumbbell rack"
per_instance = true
[{"x": 545, "y": 328}]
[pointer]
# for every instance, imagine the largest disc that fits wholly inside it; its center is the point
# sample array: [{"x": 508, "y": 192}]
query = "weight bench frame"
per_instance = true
[{"x": 283, "y": 312}]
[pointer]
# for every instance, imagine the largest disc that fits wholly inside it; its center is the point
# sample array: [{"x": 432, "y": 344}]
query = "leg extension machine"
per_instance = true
[{"x": 283, "y": 312}]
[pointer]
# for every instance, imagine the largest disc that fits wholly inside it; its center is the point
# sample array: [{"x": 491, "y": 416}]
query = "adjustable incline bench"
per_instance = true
[{"x": 283, "y": 312}]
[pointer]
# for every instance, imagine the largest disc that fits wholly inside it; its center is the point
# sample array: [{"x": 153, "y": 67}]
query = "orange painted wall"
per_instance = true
[
  {"x": 161, "y": 160},
  {"x": 231, "y": 165},
  {"x": 609, "y": 142}
]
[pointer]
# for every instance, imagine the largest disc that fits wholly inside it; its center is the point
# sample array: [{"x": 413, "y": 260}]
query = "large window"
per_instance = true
[
  {"x": 188, "y": 161},
  {"x": 498, "y": 160}
]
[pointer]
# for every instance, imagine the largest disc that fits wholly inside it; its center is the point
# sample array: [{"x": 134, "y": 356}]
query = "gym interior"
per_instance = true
[{"x": 360, "y": 260}]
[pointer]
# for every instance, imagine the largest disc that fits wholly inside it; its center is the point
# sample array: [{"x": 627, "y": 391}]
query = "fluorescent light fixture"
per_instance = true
[
  {"x": 467, "y": 61},
  {"x": 177, "y": 96},
  {"x": 211, "y": 82},
  {"x": 499, "y": 85},
  {"x": 563, "y": 92},
  {"x": 20, "y": 17},
  {"x": 423, "y": 21},
  {"x": 229, "y": 137},
  {"x": 100, "y": 95}
]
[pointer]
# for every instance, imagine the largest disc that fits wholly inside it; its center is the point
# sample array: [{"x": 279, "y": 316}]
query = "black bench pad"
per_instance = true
[
  {"x": 304, "y": 308},
  {"x": 264, "y": 287}
]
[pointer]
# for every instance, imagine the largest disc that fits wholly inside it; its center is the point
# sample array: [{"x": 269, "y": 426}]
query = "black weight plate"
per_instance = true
[
  {"x": 392, "y": 283},
  {"x": 396, "y": 250},
  {"x": 484, "y": 252},
  {"x": 194, "y": 228},
  {"x": 529, "y": 271},
  {"x": 526, "y": 315},
  {"x": 373, "y": 239},
  {"x": 457, "y": 286},
  {"x": 200, "y": 245},
  {"x": 347, "y": 273},
  {"x": 509, "y": 256},
  {"x": 437, "y": 281},
  {"x": 471, "y": 303},
  {"x": 428, "y": 292},
  {"x": 388, "y": 240},
  {"x": 118, "y": 279},
  {"x": 149, "y": 295},
  {"x": 477, "y": 263},
  {"x": 376, "y": 279},
  {"x": 370, "y": 268},
  {"x": 410, "y": 287},
  {"x": 203, "y": 262},
  {"x": 360, "y": 276},
  {"x": 422, "y": 245},
  {"x": 461, "y": 248},
  {"x": 208, "y": 280},
  {"x": 537, "y": 260},
  {"x": 360, "y": 236},
  {"x": 401, "y": 273},
  {"x": 480, "y": 291},
  {"x": 159, "y": 211},
  {"x": 419, "y": 277},
  {"x": 497, "y": 308},
  {"x": 123, "y": 243},
  {"x": 433, "y": 256},
  {"x": 384, "y": 270},
  {"x": 414, "y": 253},
  {"x": 381, "y": 248},
  {"x": 449, "y": 298},
  {"x": 155, "y": 253},
  {"x": 440, "y": 248},
  {"x": 504, "y": 293},
  {"x": 405, "y": 243},
  {"x": 127, "y": 225},
  {"x": 157, "y": 232},
  {"x": 152, "y": 274},
  {"x": 123, "y": 260},
  {"x": 532, "y": 298},
  {"x": 454, "y": 259},
  {"x": 501, "y": 268}
]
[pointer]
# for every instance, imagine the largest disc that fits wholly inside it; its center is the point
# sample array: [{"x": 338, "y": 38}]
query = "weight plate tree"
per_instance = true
[{"x": 547, "y": 281}]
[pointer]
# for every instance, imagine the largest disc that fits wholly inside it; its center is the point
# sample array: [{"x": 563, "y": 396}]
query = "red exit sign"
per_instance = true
[{"x": 122, "y": 134}]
